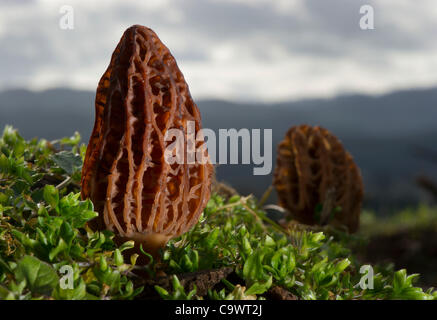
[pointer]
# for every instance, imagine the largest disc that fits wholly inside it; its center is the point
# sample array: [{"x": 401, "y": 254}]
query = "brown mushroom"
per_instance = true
[
  {"x": 312, "y": 169},
  {"x": 138, "y": 194}
]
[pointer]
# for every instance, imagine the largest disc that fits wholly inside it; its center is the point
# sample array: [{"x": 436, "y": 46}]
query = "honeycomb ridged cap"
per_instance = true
[
  {"x": 314, "y": 169},
  {"x": 141, "y": 96}
]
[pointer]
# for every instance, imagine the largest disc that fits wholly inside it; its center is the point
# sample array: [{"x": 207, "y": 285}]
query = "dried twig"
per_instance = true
[{"x": 203, "y": 280}]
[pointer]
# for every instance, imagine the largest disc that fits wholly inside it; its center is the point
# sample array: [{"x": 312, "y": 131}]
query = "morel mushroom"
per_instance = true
[
  {"x": 137, "y": 193},
  {"x": 314, "y": 170}
]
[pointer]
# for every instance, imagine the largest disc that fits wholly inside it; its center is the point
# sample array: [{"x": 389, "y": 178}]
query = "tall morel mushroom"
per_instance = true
[
  {"x": 137, "y": 193},
  {"x": 314, "y": 169}
]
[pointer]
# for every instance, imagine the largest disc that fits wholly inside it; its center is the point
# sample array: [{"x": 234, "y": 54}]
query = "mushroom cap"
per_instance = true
[
  {"x": 313, "y": 168},
  {"x": 136, "y": 191}
]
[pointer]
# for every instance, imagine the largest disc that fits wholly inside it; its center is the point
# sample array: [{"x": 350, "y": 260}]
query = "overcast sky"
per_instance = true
[{"x": 256, "y": 50}]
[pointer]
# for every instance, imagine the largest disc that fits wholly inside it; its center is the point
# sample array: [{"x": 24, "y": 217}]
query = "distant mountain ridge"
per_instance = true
[{"x": 381, "y": 132}]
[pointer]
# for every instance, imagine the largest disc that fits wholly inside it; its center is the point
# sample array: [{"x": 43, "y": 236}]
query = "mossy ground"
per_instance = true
[{"x": 234, "y": 252}]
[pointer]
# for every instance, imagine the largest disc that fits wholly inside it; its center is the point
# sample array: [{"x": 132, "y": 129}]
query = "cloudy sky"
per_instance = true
[{"x": 246, "y": 50}]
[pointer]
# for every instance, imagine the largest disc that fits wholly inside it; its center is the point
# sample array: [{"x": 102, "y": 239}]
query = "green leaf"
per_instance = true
[
  {"x": 5, "y": 294},
  {"x": 118, "y": 258},
  {"x": 40, "y": 276},
  {"x": 24, "y": 239},
  {"x": 127, "y": 245},
  {"x": 71, "y": 141},
  {"x": 260, "y": 288},
  {"x": 269, "y": 242},
  {"x": 4, "y": 266},
  {"x": 51, "y": 196},
  {"x": 211, "y": 239},
  {"x": 77, "y": 293},
  {"x": 246, "y": 248},
  {"x": 59, "y": 248},
  {"x": 67, "y": 232},
  {"x": 4, "y": 164},
  {"x": 103, "y": 264},
  {"x": 68, "y": 161},
  {"x": 399, "y": 280},
  {"x": 162, "y": 292},
  {"x": 342, "y": 265},
  {"x": 253, "y": 269}
]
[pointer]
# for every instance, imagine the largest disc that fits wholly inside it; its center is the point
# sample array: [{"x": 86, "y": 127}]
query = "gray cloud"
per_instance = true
[{"x": 235, "y": 49}]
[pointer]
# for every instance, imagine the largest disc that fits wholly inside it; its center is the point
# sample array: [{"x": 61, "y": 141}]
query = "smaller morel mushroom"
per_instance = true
[
  {"x": 138, "y": 193},
  {"x": 314, "y": 170}
]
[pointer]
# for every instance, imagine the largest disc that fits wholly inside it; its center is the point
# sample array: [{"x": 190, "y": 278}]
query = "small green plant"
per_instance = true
[
  {"x": 47, "y": 250},
  {"x": 178, "y": 291}
]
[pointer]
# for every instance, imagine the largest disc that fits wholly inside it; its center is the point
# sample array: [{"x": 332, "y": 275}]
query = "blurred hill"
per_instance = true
[{"x": 381, "y": 132}]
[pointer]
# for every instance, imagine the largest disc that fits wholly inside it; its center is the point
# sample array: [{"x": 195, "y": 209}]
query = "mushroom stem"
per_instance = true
[{"x": 150, "y": 242}]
